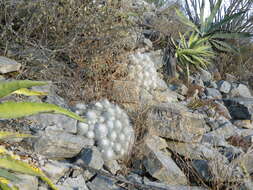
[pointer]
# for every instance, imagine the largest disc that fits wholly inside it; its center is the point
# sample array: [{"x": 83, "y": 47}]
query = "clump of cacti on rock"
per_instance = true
[
  {"x": 143, "y": 71},
  {"x": 109, "y": 126}
]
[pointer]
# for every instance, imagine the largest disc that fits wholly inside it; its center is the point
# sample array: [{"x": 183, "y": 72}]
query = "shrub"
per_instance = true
[{"x": 86, "y": 38}]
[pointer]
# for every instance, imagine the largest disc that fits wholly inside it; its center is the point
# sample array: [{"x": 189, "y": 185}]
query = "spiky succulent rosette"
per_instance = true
[{"x": 109, "y": 126}]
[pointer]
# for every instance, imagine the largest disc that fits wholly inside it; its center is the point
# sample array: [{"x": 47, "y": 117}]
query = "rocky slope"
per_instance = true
[{"x": 195, "y": 138}]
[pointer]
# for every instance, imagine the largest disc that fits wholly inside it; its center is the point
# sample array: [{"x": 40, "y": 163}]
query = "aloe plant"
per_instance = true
[
  {"x": 194, "y": 52},
  {"x": 212, "y": 29},
  {"x": 9, "y": 110}
]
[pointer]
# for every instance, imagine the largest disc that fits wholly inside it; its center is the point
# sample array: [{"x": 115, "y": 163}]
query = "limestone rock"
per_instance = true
[
  {"x": 58, "y": 145},
  {"x": 205, "y": 75},
  {"x": 103, "y": 183},
  {"x": 240, "y": 90},
  {"x": 172, "y": 187},
  {"x": 55, "y": 169},
  {"x": 224, "y": 86},
  {"x": 27, "y": 182},
  {"x": 175, "y": 122},
  {"x": 112, "y": 166},
  {"x": 243, "y": 124},
  {"x": 214, "y": 93},
  {"x": 8, "y": 65},
  {"x": 77, "y": 183},
  {"x": 163, "y": 168},
  {"x": 240, "y": 108},
  {"x": 194, "y": 150},
  {"x": 90, "y": 156},
  {"x": 154, "y": 142}
]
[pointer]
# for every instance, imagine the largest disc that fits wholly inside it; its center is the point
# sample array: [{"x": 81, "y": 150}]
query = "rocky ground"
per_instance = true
[{"x": 194, "y": 137}]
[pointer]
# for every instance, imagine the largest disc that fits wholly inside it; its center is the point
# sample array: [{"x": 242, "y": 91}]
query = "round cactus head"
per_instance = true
[{"x": 109, "y": 126}]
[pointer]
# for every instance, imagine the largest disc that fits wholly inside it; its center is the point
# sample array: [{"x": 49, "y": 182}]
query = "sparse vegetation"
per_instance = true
[{"x": 80, "y": 44}]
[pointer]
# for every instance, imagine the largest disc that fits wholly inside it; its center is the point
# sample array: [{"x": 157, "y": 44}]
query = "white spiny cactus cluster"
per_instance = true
[
  {"x": 109, "y": 126},
  {"x": 143, "y": 71}
]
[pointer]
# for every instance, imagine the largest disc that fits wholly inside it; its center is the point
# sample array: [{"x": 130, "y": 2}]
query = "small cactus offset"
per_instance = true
[{"x": 109, "y": 126}]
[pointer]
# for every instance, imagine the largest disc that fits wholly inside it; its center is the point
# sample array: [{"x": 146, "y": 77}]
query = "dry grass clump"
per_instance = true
[
  {"x": 239, "y": 65},
  {"x": 165, "y": 23},
  {"x": 133, "y": 161},
  {"x": 81, "y": 42}
]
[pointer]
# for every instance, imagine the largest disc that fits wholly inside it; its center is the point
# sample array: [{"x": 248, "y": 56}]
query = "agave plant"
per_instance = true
[
  {"x": 212, "y": 28},
  {"x": 242, "y": 23},
  {"x": 194, "y": 52},
  {"x": 8, "y": 110}
]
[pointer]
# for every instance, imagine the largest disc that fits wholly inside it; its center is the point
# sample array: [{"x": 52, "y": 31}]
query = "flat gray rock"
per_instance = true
[
  {"x": 224, "y": 86},
  {"x": 27, "y": 182},
  {"x": 240, "y": 90},
  {"x": 58, "y": 144},
  {"x": 194, "y": 150},
  {"x": 77, "y": 183},
  {"x": 172, "y": 187},
  {"x": 214, "y": 93},
  {"x": 161, "y": 166},
  {"x": 175, "y": 122},
  {"x": 8, "y": 65},
  {"x": 90, "y": 156},
  {"x": 103, "y": 183},
  {"x": 240, "y": 108},
  {"x": 55, "y": 169}
]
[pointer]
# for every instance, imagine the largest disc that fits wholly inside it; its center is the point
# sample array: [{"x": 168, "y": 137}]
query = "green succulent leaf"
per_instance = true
[
  {"x": 234, "y": 35},
  {"x": 227, "y": 19},
  {"x": 8, "y": 175},
  {"x": 186, "y": 21},
  {"x": 223, "y": 46},
  {"x": 27, "y": 92},
  {"x": 210, "y": 19},
  {"x": 9, "y": 163},
  {"x": 4, "y": 186},
  {"x": 9, "y": 87},
  {"x": 9, "y": 110}
]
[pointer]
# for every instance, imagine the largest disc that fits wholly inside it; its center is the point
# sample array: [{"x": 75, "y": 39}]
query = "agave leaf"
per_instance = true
[
  {"x": 194, "y": 38},
  {"x": 202, "y": 40},
  {"x": 223, "y": 46},
  {"x": 200, "y": 62},
  {"x": 226, "y": 20},
  {"x": 188, "y": 59},
  {"x": 182, "y": 40},
  {"x": 5, "y": 186},
  {"x": 9, "y": 176},
  {"x": 190, "y": 51},
  {"x": 234, "y": 35},
  {"x": 7, "y": 162},
  {"x": 9, "y": 110},
  {"x": 186, "y": 21},
  {"x": 8, "y": 87},
  {"x": 209, "y": 20},
  {"x": 7, "y": 135},
  {"x": 27, "y": 92},
  {"x": 202, "y": 22}
]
